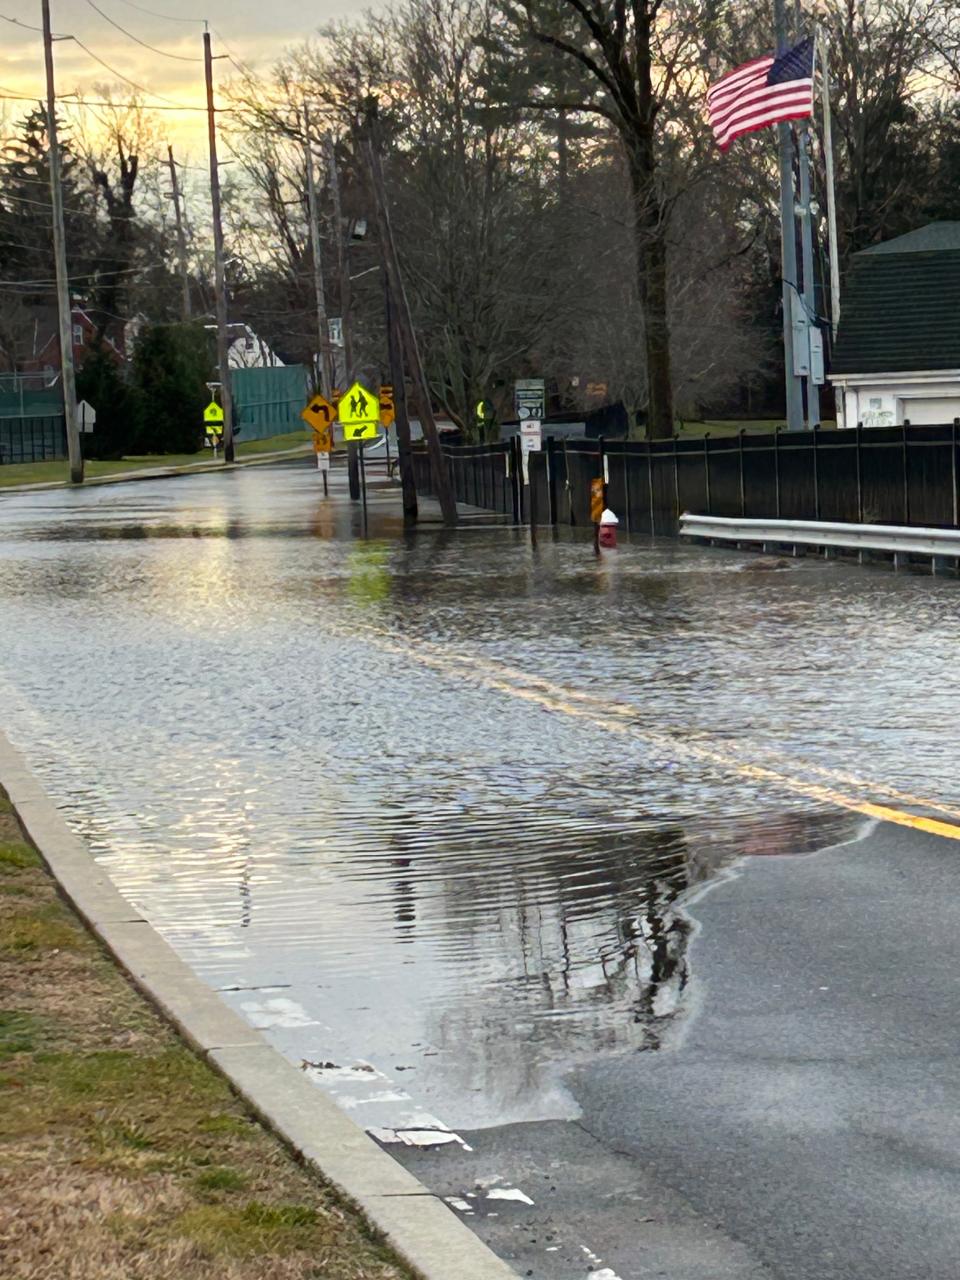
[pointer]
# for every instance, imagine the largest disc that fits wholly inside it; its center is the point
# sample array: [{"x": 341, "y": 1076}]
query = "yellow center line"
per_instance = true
[
  {"x": 584, "y": 706},
  {"x": 632, "y": 712}
]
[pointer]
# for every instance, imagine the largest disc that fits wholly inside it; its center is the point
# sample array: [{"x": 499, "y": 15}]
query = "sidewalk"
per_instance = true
[
  {"x": 206, "y": 466},
  {"x": 124, "y": 1155}
]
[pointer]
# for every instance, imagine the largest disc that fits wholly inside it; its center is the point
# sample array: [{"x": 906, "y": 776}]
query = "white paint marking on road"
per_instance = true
[
  {"x": 387, "y": 1095},
  {"x": 279, "y": 1012}
]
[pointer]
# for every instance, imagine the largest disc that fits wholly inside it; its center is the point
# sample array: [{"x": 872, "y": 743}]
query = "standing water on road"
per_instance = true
[{"x": 435, "y": 801}]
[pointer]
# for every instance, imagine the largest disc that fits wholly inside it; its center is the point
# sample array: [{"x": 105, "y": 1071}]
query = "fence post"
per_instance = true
[
  {"x": 602, "y": 457},
  {"x": 776, "y": 466},
  {"x": 859, "y": 473},
  {"x": 706, "y": 473},
  {"x": 551, "y": 481},
  {"x": 676, "y": 478},
  {"x": 743, "y": 491},
  {"x": 816, "y": 473},
  {"x": 515, "y": 479},
  {"x": 953, "y": 471},
  {"x": 906, "y": 477},
  {"x": 627, "y": 498},
  {"x": 653, "y": 521}
]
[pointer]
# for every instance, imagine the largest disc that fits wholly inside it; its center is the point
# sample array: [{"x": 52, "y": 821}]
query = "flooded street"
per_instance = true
[{"x": 440, "y": 805}]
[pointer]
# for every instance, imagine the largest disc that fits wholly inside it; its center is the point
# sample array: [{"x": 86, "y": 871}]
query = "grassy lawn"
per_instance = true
[
  {"x": 122, "y": 1155},
  {"x": 54, "y": 472}
]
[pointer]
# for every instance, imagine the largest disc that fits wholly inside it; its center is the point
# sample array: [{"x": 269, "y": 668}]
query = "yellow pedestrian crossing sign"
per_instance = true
[
  {"x": 359, "y": 413},
  {"x": 213, "y": 415}
]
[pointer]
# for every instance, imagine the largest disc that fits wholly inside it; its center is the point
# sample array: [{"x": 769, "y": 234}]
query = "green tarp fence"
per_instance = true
[
  {"x": 30, "y": 404},
  {"x": 268, "y": 401}
]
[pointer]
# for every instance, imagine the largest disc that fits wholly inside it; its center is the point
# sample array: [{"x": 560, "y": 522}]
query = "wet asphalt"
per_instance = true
[
  {"x": 472, "y": 827},
  {"x": 806, "y": 1127}
]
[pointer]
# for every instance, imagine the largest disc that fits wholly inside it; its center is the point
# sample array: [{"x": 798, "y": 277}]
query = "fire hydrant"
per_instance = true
[{"x": 607, "y": 536}]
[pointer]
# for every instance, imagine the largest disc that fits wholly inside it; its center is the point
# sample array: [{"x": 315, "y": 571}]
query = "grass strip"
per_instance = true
[{"x": 123, "y": 1156}]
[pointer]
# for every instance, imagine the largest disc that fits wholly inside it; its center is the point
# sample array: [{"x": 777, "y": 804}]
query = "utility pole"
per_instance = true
[
  {"x": 788, "y": 244},
  {"x": 391, "y": 264},
  {"x": 181, "y": 235},
  {"x": 343, "y": 271},
  {"x": 408, "y": 486},
  {"x": 343, "y": 263},
  {"x": 220, "y": 285},
  {"x": 64, "y": 312},
  {"x": 323, "y": 333}
]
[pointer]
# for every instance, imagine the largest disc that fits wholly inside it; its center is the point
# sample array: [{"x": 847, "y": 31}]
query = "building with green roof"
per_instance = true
[{"x": 897, "y": 354}]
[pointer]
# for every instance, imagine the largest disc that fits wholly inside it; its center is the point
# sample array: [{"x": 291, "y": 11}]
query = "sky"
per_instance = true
[{"x": 253, "y": 31}]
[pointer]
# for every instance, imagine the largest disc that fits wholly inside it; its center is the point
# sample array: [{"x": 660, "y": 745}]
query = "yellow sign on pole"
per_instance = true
[
  {"x": 213, "y": 413},
  {"x": 359, "y": 414},
  {"x": 596, "y": 500},
  {"x": 388, "y": 412},
  {"x": 319, "y": 413}
]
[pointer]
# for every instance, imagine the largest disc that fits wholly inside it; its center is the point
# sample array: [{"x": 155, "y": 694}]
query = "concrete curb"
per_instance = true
[
  {"x": 162, "y": 473},
  {"x": 422, "y": 1230}
]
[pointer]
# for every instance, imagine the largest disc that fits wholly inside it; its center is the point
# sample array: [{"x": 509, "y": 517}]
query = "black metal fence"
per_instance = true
[
  {"x": 483, "y": 475},
  {"x": 32, "y": 439},
  {"x": 888, "y": 475}
]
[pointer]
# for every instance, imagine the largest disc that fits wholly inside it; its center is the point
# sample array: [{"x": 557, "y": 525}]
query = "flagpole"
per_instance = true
[
  {"x": 831, "y": 186},
  {"x": 788, "y": 245},
  {"x": 806, "y": 245}
]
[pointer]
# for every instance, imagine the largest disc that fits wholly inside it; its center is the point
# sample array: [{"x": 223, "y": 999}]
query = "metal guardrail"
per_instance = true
[{"x": 898, "y": 539}]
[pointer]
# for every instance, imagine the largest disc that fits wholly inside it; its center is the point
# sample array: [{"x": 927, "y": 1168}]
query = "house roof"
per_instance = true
[
  {"x": 933, "y": 238},
  {"x": 899, "y": 309}
]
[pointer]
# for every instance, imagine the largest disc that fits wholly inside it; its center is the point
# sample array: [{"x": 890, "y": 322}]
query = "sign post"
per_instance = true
[
  {"x": 531, "y": 441},
  {"x": 320, "y": 415},
  {"x": 213, "y": 424},
  {"x": 86, "y": 416},
  {"x": 530, "y": 399},
  {"x": 359, "y": 415}
]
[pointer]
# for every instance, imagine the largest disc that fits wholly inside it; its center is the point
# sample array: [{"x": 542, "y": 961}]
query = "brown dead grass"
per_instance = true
[{"x": 122, "y": 1155}]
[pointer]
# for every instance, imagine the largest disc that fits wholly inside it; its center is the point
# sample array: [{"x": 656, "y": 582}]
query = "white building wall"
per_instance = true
[
  {"x": 251, "y": 352},
  {"x": 887, "y": 400}
]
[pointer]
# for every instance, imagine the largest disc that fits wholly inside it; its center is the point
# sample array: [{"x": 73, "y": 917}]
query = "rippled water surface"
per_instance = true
[{"x": 435, "y": 802}]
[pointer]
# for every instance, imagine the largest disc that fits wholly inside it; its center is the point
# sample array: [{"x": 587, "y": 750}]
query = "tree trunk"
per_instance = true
[{"x": 651, "y": 251}]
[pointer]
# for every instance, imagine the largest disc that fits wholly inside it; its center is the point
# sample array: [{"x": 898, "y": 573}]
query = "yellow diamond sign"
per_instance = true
[{"x": 359, "y": 413}]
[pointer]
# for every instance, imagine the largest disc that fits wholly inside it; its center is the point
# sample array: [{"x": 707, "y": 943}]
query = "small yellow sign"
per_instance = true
[
  {"x": 388, "y": 412},
  {"x": 213, "y": 412},
  {"x": 323, "y": 439},
  {"x": 596, "y": 500},
  {"x": 359, "y": 414},
  {"x": 319, "y": 413}
]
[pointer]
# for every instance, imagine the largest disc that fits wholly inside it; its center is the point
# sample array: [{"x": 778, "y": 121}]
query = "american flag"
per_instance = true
[{"x": 765, "y": 91}]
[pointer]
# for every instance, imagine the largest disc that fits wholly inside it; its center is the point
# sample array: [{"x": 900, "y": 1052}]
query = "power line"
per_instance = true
[
  {"x": 120, "y": 76},
  {"x": 41, "y": 204},
  {"x": 180, "y": 57},
  {"x": 15, "y": 22},
  {"x": 166, "y": 16},
  {"x": 71, "y": 100},
  {"x": 244, "y": 68},
  {"x": 90, "y": 275}
]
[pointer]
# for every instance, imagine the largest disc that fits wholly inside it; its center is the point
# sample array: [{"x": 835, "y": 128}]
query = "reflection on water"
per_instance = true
[{"x": 440, "y": 876}]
